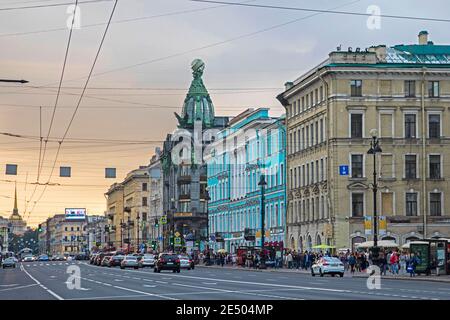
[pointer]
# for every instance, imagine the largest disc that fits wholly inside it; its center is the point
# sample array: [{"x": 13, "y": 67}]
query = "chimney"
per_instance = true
[
  {"x": 380, "y": 51},
  {"x": 423, "y": 37}
]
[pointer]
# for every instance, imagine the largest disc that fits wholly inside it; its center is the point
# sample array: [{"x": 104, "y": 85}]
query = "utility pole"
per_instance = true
[
  {"x": 374, "y": 149},
  {"x": 262, "y": 183}
]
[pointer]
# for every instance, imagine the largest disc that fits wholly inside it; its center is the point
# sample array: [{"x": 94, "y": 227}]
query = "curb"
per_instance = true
[
  {"x": 254, "y": 270},
  {"x": 349, "y": 276}
]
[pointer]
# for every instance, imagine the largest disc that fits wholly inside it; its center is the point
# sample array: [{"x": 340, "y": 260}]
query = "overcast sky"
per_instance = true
[{"x": 245, "y": 67}]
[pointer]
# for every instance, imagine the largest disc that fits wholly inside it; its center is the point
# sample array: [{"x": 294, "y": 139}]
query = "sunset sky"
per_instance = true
[{"x": 143, "y": 74}]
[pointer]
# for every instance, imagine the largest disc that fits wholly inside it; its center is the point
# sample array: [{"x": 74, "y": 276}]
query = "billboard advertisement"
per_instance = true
[{"x": 75, "y": 213}]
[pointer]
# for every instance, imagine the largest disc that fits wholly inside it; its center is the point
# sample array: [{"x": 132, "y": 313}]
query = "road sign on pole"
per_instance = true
[
  {"x": 163, "y": 220},
  {"x": 177, "y": 241}
]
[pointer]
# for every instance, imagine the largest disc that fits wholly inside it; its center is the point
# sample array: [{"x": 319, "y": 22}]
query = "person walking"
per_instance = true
[
  {"x": 394, "y": 262},
  {"x": 403, "y": 259},
  {"x": 352, "y": 263},
  {"x": 289, "y": 260}
]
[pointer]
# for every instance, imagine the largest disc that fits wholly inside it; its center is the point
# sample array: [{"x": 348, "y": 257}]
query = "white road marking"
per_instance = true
[
  {"x": 211, "y": 283},
  {"x": 143, "y": 292},
  {"x": 43, "y": 287},
  {"x": 149, "y": 286},
  {"x": 236, "y": 291},
  {"x": 118, "y": 280},
  {"x": 21, "y": 287},
  {"x": 163, "y": 282},
  {"x": 9, "y": 285}
]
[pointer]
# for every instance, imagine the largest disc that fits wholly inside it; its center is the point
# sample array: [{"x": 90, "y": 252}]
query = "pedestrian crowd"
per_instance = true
[{"x": 392, "y": 261}]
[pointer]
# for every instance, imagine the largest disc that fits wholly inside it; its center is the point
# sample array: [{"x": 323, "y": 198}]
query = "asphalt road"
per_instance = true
[{"x": 50, "y": 280}]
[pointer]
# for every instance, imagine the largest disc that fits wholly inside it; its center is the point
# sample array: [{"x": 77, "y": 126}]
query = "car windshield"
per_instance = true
[
  {"x": 131, "y": 258},
  {"x": 169, "y": 256},
  {"x": 148, "y": 256},
  {"x": 184, "y": 257}
]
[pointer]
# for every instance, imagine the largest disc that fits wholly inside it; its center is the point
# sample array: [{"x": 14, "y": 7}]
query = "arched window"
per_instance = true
[
  {"x": 309, "y": 244},
  {"x": 357, "y": 240},
  {"x": 318, "y": 240}
]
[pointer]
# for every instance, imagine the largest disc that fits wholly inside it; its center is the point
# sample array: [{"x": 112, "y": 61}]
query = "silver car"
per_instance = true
[
  {"x": 9, "y": 263},
  {"x": 185, "y": 262},
  {"x": 147, "y": 260},
  {"x": 129, "y": 261}
]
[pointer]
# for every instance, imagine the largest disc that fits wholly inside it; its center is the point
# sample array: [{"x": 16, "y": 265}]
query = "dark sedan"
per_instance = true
[{"x": 167, "y": 261}]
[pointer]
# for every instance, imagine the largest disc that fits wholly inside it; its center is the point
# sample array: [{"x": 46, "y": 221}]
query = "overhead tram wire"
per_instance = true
[
  {"x": 42, "y": 152},
  {"x": 174, "y": 13},
  {"x": 389, "y": 16},
  {"x": 39, "y": 6},
  {"x": 211, "y": 45},
  {"x": 79, "y": 102}
]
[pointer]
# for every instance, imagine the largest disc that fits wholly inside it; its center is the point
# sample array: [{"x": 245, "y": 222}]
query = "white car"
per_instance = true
[
  {"x": 147, "y": 260},
  {"x": 28, "y": 259},
  {"x": 328, "y": 265},
  {"x": 185, "y": 262}
]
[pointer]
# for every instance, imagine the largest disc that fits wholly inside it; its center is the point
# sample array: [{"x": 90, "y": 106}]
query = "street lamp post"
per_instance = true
[
  {"x": 172, "y": 209},
  {"x": 207, "y": 198},
  {"x": 262, "y": 183},
  {"x": 374, "y": 149},
  {"x": 138, "y": 227}
]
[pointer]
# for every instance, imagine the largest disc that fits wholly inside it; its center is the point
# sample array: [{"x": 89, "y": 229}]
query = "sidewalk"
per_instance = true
[{"x": 432, "y": 278}]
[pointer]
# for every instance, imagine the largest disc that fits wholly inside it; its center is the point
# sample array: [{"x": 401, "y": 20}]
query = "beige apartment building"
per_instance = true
[
  {"x": 127, "y": 208},
  {"x": 402, "y": 91}
]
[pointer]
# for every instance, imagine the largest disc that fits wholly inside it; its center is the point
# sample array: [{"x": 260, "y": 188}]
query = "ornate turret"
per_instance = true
[
  {"x": 197, "y": 105},
  {"x": 18, "y": 225}
]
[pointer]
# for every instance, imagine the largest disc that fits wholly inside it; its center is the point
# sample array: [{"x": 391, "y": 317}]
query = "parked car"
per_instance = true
[
  {"x": 328, "y": 265},
  {"x": 130, "y": 261},
  {"x": 99, "y": 258},
  {"x": 167, "y": 261},
  {"x": 105, "y": 261},
  {"x": 92, "y": 258},
  {"x": 147, "y": 260},
  {"x": 8, "y": 263},
  {"x": 186, "y": 262},
  {"x": 116, "y": 260}
]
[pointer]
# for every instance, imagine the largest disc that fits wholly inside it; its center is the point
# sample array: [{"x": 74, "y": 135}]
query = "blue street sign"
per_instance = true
[
  {"x": 343, "y": 170},
  {"x": 160, "y": 238}
]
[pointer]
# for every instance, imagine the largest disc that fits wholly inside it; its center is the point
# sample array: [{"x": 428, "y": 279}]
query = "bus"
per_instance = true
[{"x": 25, "y": 252}]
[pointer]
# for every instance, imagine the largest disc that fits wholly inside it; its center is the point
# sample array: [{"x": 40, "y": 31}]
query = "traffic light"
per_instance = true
[
  {"x": 171, "y": 240},
  {"x": 40, "y": 228},
  {"x": 156, "y": 223}
]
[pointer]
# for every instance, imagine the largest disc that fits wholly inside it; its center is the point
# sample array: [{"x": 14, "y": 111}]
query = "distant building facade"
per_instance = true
[
  {"x": 253, "y": 143},
  {"x": 402, "y": 91},
  {"x": 128, "y": 207}
]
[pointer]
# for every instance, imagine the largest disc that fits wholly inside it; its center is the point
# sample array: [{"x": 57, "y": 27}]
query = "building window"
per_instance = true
[
  {"x": 410, "y": 166},
  {"x": 410, "y": 88},
  {"x": 435, "y": 204},
  {"x": 356, "y": 125},
  {"x": 410, "y": 125},
  {"x": 411, "y": 204},
  {"x": 312, "y": 133},
  {"x": 144, "y": 186},
  {"x": 356, "y": 88},
  {"x": 435, "y": 166},
  {"x": 357, "y": 165},
  {"x": 144, "y": 201},
  {"x": 434, "y": 126},
  {"x": 357, "y": 204},
  {"x": 321, "y": 131},
  {"x": 433, "y": 89},
  {"x": 321, "y": 170}
]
